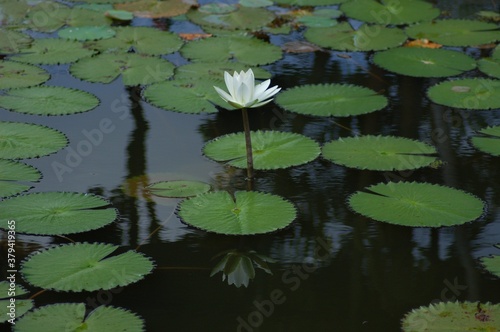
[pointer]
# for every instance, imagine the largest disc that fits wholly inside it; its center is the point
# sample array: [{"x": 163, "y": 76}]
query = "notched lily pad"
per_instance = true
[
  {"x": 20, "y": 75},
  {"x": 21, "y": 306},
  {"x": 155, "y": 8},
  {"x": 491, "y": 66},
  {"x": 13, "y": 41},
  {"x": 15, "y": 176},
  {"x": 488, "y": 141},
  {"x": 243, "y": 18},
  {"x": 178, "y": 189},
  {"x": 214, "y": 72},
  {"x": 492, "y": 263},
  {"x": 86, "y": 33},
  {"x": 310, "y": 2}
]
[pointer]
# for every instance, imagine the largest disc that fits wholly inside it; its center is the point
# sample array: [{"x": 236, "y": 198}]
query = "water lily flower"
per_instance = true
[{"x": 243, "y": 92}]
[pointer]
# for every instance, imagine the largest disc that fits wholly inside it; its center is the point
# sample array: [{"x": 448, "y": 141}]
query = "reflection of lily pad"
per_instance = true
[
  {"x": 52, "y": 51},
  {"x": 416, "y": 204},
  {"x": 53, "y": 213},
  {"x": 491, "y": 66},
  {"x": 489, "y": 141},
  {"x": 71, "y": 317},
  {"x": 271, "y": 149},
  {"x": 84, "y": 267},
  {"x": 178, "y": 188},
  {"x": 331, "y": 100},
  {"x": 424, "y": 62},
  {"x": 134, "y": 69},
  {"x": 215, "y": 71},
  {"x": 86, "y": 33},
  {"x": 20, "y": 75},
  {"x": 248, "y": 212},
  {"x": 25, "y": 140},
  {"x": 467, "y": 93},
  {"x": 380, "y": 153},
  {"x": 21, "y": 306},
  {"x": 155, "y": 8},
  {"x": 13, "y": 41},
  {"x": 13, "y": 175},
  {"x": 48, "y": 100},
  {"x": 244, "y": 18}
]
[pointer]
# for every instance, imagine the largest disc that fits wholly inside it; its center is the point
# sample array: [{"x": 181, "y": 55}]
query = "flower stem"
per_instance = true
[{"x": 248, "y": 141}]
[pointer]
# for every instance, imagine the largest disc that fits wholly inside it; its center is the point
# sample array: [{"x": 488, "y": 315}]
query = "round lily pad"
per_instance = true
[
  {"x": 417, "y": 204},
  {"x": 271, "y": 149},
  {"x": 488, "y": 141},
  {"x": 13, "y": 41},
  {"x": 215, "y": 71},
  {"x": 243, "y": 18},
  {"x": 80, "y": 267},
  {"x": 331, "y": 100},
  {"x": 119, "y": 15},
  {"x": 467, "y": 93},
  {"x": 424, "y": 62},
  {"x": 154, "y": 8},
  {"x": 22, "y": 306},
  {"x": 24, "y": 140},
  {"x": 178, "y": 189},
  {"x": 491, "y": 66},
  {"x": 492, "y": 263},
  {"x": 71, "y": 317},
  {"x": 248, "y": 212},
  {"x": 86, "y": 33},
  {"x": 14, "y": 175},
  {"x": 52, "y": 213},
  {"x": 53, "y": 51},
  {"x": 379, "y": 153},
  {"x": 20, "y": 75},
  {"x": 48, "y": 100}
]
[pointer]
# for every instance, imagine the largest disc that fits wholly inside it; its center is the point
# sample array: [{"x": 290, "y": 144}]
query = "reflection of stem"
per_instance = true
[{"x": 248, "y": 141}]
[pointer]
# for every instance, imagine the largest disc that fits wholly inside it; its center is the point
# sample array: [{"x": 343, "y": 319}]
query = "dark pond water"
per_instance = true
[{"x": 334, "y": 270}]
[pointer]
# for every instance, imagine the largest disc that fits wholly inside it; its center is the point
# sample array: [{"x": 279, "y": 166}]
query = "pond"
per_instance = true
[{"x": 333, "y": 268}]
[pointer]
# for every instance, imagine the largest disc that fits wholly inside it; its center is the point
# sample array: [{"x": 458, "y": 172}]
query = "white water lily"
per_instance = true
[{"x": 243, "y": 92}]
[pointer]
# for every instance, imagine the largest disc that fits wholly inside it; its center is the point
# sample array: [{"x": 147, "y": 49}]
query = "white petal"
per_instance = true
[
  {"x": 223, "y": 94},
  {"x": 269, "y": 92},
  {"x": 245, "y": 94},
  {"x": 259, "y": 89},
  {"x": 260, "y": 104},
  {"x": 229, "y": 83}
]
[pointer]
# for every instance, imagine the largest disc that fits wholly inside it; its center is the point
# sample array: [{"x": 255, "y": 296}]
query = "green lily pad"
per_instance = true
[
  {"x": 271, "y": 149},
  {"x": 492, "y": 263},
  {"x": 155, "y": 8},
  {"x": 71, "y": 317},
  {"x": 491, "y": 66},
  {"x": 455, "y": 32},
  {"x": 417, "y": 204},
  {"x": 316, "y": 21},
  {"x": 20, "y": 75},
  {"x": 214, "y": 72},
  {"x": 13, "y": 12},
  {"x": 256, "y": 3},
  {"x": 424, "y": 62},
  {"x": 379, "y": 153},
  {"x": 13, "y": 41},
  {"x": 25, "y": 140},
  {"x": 120, "y": 15},
  {"x": 178, "y": 189},
  {"x": 453, "y": 316},
  {"x": 343, "y": 37},
  {"x": 13, "y": 175},
  {"x": 243, "y": 18},
  {"x": 80, "y": 267},
  {"x": 468, "y": 93},
  {"x": 387, "y": 12},
  {"x": 248, "y": 212},
  {"x": 310, "y": 2},
  {"x": 489, "y": 141},
  {"x": 21, "y": 306},
  {"x": 48, "y": 100},
  {"x": 52, "y": 51},
  {"x": 134, "y": 69},
  {"x": 87, "y": 33},
  {"x": 102, "y": 1},
  {"x": 250, "y": 51},
  {"x": 331, "y": 100},
  {"x": 53, "y": 213}
]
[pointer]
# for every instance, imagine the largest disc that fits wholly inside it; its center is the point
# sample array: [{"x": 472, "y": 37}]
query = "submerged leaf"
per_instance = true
[{"x": 489, "y": 141}]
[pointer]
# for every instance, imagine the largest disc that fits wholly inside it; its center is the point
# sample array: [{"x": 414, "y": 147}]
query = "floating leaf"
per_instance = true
[
  {"x": 248, "y": 212},
  {"x": 135, "y": 69},
  {"x": 178, "y": 188},
  {"x": 155, "y": 8},
  {"x": 453, "y": 316},
  {"x": 416, "y": 204},
  {"x": 255, "y": 3},
  {"x": 331, "y": 100},
  {"x": 11, "y": 173},
  {"x": 215, "y": 71},
  {"x": 489, "y": 141},
  {"x": 84, "y": 267},
  {"x": 48, "y": 100},
  {"x": 454, "y": 32},
  {"x": 86, "y": 33},
  {"x": 71, "y": 317},
  {"x": 314, "y": 21},
  {"x": 299, "y": 46},
  {"x": 468, "y": 93},
  {"x": 343, "y": 37},
  {"x": 20, "y": 75},
  {"x": 244, "y": 18},
  {"x": 491, "y": 66},
  {"x": 13, "y": 41},
  {"x": 13, "y": 12},
  {"x": 424, "y": 62},
  {"x": 52, "y": 213},
  {"x": 52, "y": 51},
  {"x": 310, "y": 2},
  {"x": 492, "y": 263},
  {"x": 20, "y": 306},
  {"x": 271, "y": 149},
  {"x": 489, "y": 15},
  {"x": 379, "y": 153},
  {"x": 388, "y": 12},
  {"x": 25, "y": 140},
  {"x": 120, "y": 15}
]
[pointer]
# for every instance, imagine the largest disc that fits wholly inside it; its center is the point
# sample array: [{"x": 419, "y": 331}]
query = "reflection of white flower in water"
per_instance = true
[{"x": 244, "y": 93}]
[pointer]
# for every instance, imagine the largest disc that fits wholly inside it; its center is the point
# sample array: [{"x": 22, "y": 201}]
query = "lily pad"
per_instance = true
[
  {"x": 134, "y": 69},
  {"x": 468, "y": 93},
  {"x": 178, "y": 189},
  {"x": 87, "y": 33},
  {"x": 120, "y": 15},
  {"x": 13, "y": 41},
  {"x": 71, "y": 317},
  {"x": 251, "y": 51},
  {"x": 20, "y": 75},
  {"x": 455, "y": 32},
  {"x": 271, "y": 149},
  {"x": 310, "y": 2},
  {"x": 489, "y": 141},
  {"x": 491, "y": 66},
  {"x": 331, "y": 100},
  {"x": 155, "y": 8},
  {"x": 424, "y": 62},
  {"x": 248, "y": 212},
  {"x": 343, "y": 37},
  {"x": 387, "y": 12},
  {"x": 25, "y": 140},
  {"x": 48, "y": 100},
  {"x": 52, "y": 213},
  {"x": 13, "y": 175},
  {"x": 52, "y": 51},
  {"x": 215, "y": 71},
  {"x": 80, "y": 267},
  {"x": 21, "y": 306},
  {"x": 492, "y": 263},
  {"x": 256, "y": 3},
  {"x": 243, "y": 18},
  {"x": 417, "y": 204},
  {"x": 380, "y": 153},
  {"x": 453, "y": 316}
]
